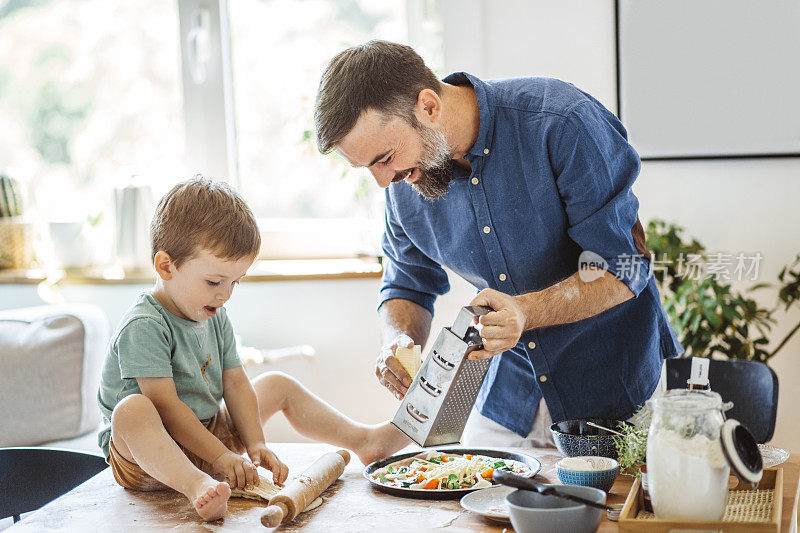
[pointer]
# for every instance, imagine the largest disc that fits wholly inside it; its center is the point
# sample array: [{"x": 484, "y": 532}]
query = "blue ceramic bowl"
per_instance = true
[
  {"x": 602, "y": 478},
  {"x": 575, "y": 438}
]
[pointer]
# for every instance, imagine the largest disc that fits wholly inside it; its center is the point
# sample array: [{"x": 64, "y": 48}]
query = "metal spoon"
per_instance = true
[
  {"x": 519, "y": 482},
  {"x": 598, "y": 426}
]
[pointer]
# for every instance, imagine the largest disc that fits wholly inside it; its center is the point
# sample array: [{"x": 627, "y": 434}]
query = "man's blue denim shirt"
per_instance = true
[{"x": 551, "y": 176}]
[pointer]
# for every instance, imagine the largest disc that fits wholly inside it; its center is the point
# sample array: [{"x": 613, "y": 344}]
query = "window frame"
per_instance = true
[{"x": 207, "y": 80}]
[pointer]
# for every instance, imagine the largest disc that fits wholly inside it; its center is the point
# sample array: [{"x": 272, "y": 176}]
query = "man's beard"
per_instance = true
[{"x": 434, "y": 165}]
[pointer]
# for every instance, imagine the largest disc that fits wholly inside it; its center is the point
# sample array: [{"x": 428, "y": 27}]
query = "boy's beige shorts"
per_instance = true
[{"x": 131, "y": 476}]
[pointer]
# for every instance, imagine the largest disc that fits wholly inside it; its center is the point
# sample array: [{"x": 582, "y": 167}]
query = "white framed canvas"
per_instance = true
[{"x": 710, "y": 78}]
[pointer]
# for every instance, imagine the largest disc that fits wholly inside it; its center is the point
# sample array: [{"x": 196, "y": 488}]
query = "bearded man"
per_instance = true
[{"x": 522, "y": 187}]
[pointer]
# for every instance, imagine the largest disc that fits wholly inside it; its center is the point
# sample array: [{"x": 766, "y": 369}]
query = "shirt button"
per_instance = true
[
  {"x": 485, "y": 150},
  {"x": 531, "y": 345},
  {"x": 502, "y": 277},
  {"x": 542, "y": 378},
  {"x": 487, "y": 229},
  {"x": 474, "y": 181}
]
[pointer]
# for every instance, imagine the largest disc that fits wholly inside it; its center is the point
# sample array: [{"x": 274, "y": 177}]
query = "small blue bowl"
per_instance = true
[
  {"x": 575, "y": 438},
  {"x": 601, "y": 477}
]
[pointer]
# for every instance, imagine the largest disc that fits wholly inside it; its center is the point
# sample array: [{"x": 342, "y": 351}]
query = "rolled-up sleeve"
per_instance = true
[
  {"x": 595, "y": 168},
  {"x": 408, "y": 273}
]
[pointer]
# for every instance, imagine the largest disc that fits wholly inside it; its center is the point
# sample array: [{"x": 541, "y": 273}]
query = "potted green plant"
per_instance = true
[
  {"x": 16, "y": 234},
  {"x": 711, "y": 317}
]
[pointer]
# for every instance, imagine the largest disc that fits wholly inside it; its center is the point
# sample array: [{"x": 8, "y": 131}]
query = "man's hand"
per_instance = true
[
  {"x": 263, "y": 456},
  {"x": 240, "y": 472},
  {"x": 502, "y": 328},
  {"x": 388, "y": 369}
]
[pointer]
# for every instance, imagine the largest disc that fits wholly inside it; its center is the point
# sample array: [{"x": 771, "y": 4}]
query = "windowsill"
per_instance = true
[{"x": 261, "y": 271}]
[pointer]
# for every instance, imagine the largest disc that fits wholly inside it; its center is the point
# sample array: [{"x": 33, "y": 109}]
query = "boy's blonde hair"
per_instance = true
[{"x": 201, "y": 214}]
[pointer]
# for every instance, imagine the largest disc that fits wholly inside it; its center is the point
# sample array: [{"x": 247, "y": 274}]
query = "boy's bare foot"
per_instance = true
[
  {"x": 381, "y": 441},
  {"x": 211, "y": 499}
]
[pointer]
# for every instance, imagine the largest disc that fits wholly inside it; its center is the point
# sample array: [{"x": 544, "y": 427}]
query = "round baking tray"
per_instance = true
[{"x": 444, "y": 494}]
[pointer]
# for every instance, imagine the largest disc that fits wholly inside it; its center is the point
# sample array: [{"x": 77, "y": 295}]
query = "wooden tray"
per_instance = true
[{"x": 772, "y": 479}]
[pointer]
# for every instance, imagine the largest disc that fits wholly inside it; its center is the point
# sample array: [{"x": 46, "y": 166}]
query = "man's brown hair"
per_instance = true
[
  {"x": 201, "y": 214},
  {"x": 379, "y": 75}
]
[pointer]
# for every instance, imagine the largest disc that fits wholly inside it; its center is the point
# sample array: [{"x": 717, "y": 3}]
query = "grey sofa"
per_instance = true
[{"x": 51, "y": 358}]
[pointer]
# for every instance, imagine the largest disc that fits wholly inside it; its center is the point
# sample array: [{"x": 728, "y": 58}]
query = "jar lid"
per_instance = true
[{"x": 741, "y": 451}]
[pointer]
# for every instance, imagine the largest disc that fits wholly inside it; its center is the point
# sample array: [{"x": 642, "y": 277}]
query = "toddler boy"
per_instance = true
[{"x": 172, "y": 361}]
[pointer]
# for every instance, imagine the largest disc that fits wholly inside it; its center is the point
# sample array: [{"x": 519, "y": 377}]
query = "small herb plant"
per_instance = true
[{"x": 632, "y": 444}]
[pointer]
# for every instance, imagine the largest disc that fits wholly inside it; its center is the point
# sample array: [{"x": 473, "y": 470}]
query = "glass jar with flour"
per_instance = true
[{"x": 686, "y": 467}]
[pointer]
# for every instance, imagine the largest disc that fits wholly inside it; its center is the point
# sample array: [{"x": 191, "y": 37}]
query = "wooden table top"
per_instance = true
[{"x": 351, "y": 504}]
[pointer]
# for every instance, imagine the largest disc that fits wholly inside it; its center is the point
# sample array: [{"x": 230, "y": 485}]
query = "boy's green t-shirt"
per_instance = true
[{"x": 151, "y": 342}]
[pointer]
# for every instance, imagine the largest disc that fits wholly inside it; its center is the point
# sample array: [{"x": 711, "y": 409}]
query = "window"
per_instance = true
[
  {"x": 89, "y": 92},
  {"x": 279, "y": 51},
  {"x": 317, "y": 206},
  {"x": 93, "y": 91}
]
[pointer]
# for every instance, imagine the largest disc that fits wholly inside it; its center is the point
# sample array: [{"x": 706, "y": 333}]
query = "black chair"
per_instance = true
[
  {"x": 32, "y": 477},
  {"x": 750, "y": 385}
]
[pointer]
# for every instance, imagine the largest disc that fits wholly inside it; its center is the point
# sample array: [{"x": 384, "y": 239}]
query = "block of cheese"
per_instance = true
[{"x": 410, "y": 358}]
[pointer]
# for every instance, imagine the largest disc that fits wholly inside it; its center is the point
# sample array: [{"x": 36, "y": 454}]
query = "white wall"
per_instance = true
[
  {"x": 572, "y": 40},
  {"x": 729, "y": 205},
  {"x": 336, "y": 317}
]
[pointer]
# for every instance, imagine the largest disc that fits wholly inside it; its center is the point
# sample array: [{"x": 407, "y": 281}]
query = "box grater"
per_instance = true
[{"x": 434, "y": 411}]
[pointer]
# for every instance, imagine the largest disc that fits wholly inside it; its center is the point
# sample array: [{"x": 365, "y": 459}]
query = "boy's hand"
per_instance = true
[
  {"x": 263, "y": 456},
  {"x": 240, "y": 472}
]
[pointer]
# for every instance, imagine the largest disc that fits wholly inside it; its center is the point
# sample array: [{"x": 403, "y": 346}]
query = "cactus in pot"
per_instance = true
[
  {"x": 10, "y": 198},
  {"x": 16, "y": 235}
]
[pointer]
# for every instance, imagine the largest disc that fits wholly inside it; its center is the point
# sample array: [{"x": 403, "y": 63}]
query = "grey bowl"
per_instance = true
[
  {"x": 531, "y": 512},
  {"x": 575, "y": 437}
]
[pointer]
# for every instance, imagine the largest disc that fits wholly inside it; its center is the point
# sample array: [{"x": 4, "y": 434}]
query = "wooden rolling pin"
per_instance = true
[{"x": 296, "y": 496}]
